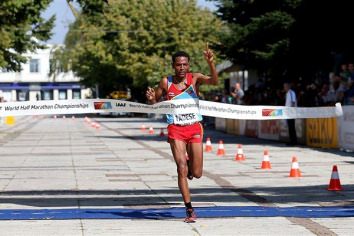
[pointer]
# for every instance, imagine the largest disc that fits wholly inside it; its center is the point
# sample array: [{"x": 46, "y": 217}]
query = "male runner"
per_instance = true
[{"x": 185, "y": 133}]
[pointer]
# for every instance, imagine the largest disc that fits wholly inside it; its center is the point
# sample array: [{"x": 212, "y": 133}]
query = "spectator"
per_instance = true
[
  {"x": 335, "y": 92},
  {"x": 322, "y": 94},
  {"x": 217, "y": 98},
  {"x": 351, "y": 70},
  {"x": 238, "y": 94},
  {"x": 290, "y": 101},
  {"x": 344, "y": 72},
  {"x": 226, "y": 97},
  {"x": 310, "y": 98},
  {"x": 349, "y": 94}
]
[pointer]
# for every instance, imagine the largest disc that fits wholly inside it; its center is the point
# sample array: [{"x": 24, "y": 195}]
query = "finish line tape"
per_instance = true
[{"x": 206, "y": 108}]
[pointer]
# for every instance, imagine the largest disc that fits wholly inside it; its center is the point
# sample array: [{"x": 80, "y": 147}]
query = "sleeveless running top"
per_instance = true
[{"x": 187, "y": 93}]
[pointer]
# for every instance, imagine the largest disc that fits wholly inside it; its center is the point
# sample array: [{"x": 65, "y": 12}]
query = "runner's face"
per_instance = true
[{"x": 181, "y": 66}]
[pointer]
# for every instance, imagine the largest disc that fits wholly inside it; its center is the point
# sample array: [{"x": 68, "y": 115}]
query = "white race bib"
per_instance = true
[{"x": 185, "y": 119}]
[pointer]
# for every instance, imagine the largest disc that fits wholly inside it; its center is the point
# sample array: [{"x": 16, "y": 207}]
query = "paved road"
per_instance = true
[{"x": 65, "y": 177}]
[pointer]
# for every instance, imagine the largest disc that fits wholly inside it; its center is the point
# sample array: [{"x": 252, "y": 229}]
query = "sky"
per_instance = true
[{"x": 64, "y": 17}]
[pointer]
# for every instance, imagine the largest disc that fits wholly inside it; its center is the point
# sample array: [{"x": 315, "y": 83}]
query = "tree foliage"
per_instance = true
[
  {"x": 259, "y": 35},
  {"x": 286, "y": 38},
  {"x": 132, "y": 41},
  {"x": 21, "y": 30}
]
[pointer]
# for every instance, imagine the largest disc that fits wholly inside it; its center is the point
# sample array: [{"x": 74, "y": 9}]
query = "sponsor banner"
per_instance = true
[
  {"x": 300, "y": 131},
  {"x": 346, "y": 134},
  {"x": 220, "y": 124},
  {"x": 242, "y": 126},
  {"x": 178, "y": 106},
  {"x": 251, "y": 128},
  {"x": 230, "y": 126},
  {"x": 269, "y": 129},
  {"x": 322, "y": 133}
]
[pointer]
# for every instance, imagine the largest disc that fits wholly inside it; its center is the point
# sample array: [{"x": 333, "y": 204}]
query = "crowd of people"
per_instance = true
[{"x": 323, "y": 90}]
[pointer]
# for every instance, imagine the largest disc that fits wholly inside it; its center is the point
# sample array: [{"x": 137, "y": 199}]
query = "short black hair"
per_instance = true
[{"x": 179, "y": 54}]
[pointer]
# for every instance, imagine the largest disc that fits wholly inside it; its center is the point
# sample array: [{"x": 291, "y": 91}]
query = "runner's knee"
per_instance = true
[
  {"x": 198, "y": 174},
  {"x": 182, "y": 169}
]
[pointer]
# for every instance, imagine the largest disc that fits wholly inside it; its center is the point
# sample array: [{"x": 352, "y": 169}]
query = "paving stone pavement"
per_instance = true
[{"x": 64, "y": 164}]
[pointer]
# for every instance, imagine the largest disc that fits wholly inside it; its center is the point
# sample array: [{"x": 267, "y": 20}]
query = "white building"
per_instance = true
[
  {"x": 237, "y": 75},
  {"x": 34, "y": 82}
]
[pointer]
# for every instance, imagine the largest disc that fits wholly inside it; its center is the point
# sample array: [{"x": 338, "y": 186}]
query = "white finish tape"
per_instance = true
[{"x": 206, "y": 108}]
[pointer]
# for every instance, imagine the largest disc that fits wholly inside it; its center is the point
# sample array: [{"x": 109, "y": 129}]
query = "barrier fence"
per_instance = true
[{"x": 335, "y": 132}]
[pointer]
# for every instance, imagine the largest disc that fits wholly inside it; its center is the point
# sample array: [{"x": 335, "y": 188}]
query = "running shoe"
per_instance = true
[{"x": 190, "y": 216}]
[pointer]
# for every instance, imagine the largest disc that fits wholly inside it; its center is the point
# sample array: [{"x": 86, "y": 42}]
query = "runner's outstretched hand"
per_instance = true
[{"x": 208, "y": 54}]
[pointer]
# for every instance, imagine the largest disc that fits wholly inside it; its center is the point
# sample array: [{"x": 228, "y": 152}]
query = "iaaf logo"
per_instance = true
[
  {"x": 272, "y": 112},
  {"x": 102, "y": 105},
  {"x": 120, "y": 104}
]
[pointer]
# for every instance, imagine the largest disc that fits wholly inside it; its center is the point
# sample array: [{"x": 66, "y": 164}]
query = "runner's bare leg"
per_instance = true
[
  {"x": 178, "y": 149},
  {"x": 195, "y": 153}
]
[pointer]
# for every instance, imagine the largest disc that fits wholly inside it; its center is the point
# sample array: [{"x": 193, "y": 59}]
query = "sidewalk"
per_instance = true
[{"x": 65, "y": 177}]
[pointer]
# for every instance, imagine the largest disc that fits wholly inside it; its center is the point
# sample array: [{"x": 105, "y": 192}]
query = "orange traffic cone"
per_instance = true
[
  {"x": 151, "y": 130},
  {"x": 295, "y": 171},
  {"x": 334, "y": 183},
  {"x": 266, "y": 161},
  {"x": 143, "y": 128},
  {"x": 162, "y": 134},
  {"x": 239, "y": 155},
  {"x": 221, "y": 150},
  {"x": 208, "y": 147}
]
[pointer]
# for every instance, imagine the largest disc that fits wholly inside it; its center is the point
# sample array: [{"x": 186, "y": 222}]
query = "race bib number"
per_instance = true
[{"x": 185, "y": 119}]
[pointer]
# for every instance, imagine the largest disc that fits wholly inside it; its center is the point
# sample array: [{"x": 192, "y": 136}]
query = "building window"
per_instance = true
[
  {"x": 34, "y": 65},
  {"x": 7, "y": 96},
  {"x": 76, "y": 94},
  {"x": 62, "y": 94},
  {"x": 47, "y": 95},
  {"x": 22, "y": 95}
]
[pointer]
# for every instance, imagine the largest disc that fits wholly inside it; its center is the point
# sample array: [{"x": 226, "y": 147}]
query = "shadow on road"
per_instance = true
[{"x": 298, "y": 195}]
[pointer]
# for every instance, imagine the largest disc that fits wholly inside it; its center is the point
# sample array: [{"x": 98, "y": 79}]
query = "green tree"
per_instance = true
[
  {"x": 259, "y": 35},
  {"x": 287, "y": 38},
  {"x": 131, "y": 42},
  {"x": 321, "y": 38},
  {"x": 22, "y": 29}
]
